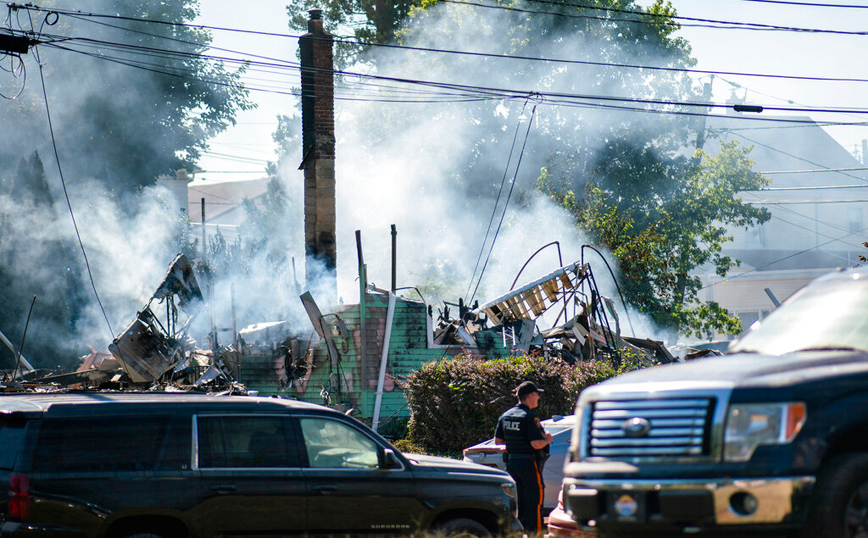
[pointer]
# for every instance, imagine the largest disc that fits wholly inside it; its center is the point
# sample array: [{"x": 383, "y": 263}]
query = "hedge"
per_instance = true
[{"x": 455, "y": 403}]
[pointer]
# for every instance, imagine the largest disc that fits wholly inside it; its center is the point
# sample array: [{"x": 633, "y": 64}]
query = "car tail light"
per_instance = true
[{"x": 19, "y": 497}]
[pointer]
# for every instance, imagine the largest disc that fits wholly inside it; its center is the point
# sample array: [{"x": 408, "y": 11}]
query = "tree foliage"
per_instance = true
[
  {"x": 370, "y": 21},
  {"x": 129, "y": 101},
  {"x": 146, "y": 104},
  {"x": 613, "y": 140},
  {"x": 664, "y": 218},
  {"x": 455, "y": 403}
]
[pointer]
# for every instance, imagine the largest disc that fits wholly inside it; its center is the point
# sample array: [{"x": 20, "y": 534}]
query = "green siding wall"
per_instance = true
[{"x": 349, "y": 383}]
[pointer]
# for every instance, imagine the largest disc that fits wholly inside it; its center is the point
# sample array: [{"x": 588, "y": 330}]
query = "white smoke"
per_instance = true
[{"x": 433, "y": 170}]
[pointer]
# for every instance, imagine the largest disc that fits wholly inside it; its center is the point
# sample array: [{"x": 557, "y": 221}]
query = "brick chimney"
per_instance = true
[{"x": 318, "y": 143}]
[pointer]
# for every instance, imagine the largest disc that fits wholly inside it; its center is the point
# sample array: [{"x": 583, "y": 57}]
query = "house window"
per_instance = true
[{"x": 748, "y": 319}]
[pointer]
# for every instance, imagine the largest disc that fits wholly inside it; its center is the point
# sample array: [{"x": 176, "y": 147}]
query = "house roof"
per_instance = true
[{"x": 223, "y": 200}]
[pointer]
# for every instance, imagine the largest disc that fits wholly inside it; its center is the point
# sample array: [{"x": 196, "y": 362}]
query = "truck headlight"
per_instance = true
[{"x": 751, "y": 425}]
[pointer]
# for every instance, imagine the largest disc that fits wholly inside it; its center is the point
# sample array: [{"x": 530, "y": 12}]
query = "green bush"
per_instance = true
[{"x": 455, "y": 403}]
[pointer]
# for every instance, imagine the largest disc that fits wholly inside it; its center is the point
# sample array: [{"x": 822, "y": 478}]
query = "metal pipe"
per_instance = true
[
  {"x": 235, "y": 337},
  {"x": 23, "y": 337},
  {"x": 11, "y": 347},
  {"x": 359, "y": 247},
  {"x": 390, "y": 317},
  {"x": 394, "y": 258},
  {"x": 363, "y": 314},
  {"x": 203, "y": 232}
]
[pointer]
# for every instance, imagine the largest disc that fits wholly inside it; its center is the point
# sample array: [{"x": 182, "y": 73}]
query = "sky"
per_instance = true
[{"x": 241, "y": 151}]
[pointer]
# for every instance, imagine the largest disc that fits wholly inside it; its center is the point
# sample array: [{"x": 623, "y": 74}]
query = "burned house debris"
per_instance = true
[
  {"x": 353, "y": 356},
  {"x": 360, "y": 352}
]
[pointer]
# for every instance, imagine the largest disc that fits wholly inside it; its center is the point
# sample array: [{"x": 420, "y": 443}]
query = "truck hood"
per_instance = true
[
  {"x": 748, "y": 369},
  {"x": 448, "y": 465}
]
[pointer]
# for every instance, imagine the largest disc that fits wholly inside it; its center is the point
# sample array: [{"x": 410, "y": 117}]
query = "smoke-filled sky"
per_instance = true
[
  {"x": 820, "y": 54},
  {"x": 390, "y": 185},
  {"x": 411, "y": 174}
]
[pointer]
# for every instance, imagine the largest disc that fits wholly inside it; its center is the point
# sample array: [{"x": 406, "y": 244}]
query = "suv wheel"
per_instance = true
[
  {"x": 461, "y": 528},
  {"x": 840, "y": 500}
]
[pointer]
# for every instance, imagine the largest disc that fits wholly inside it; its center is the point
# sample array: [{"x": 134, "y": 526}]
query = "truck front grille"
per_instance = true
[{"x": 666, "y": 428}]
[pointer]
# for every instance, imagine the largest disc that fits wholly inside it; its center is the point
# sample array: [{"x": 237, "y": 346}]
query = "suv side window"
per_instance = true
[
  {"x": 336, "y": 444},
  {"x": 11, "y": 439},
  {"x": 112, "y": 443},
  {"x": 246, "y": 441}
]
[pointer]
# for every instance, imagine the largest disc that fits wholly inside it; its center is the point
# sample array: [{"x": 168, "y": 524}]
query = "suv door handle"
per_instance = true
[
  {"x": 325, "y": 489},
  {"x": 223, "y": 489}
]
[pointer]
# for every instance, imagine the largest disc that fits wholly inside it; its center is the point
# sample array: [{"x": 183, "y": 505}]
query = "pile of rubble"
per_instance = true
[
  {"x": 150, "y": 353},
  {"x": 589, "y": 330},
  {"x": 155, "y": 353}
]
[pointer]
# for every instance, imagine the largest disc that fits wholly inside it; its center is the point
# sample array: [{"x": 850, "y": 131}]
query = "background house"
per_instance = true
[{"x": 817, "y": 199}]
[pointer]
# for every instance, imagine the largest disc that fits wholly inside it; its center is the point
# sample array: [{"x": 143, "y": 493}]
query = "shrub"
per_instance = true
[{"x": 455, "y": 403}]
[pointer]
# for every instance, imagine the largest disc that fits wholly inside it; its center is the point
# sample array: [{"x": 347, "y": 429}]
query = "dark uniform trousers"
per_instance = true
[{"x": 526, "y": 472}]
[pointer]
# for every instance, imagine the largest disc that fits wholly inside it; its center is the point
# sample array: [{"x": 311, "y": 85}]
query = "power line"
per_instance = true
[
  {"x": 645, "y": 18},
  {"x": 806, "y": 4},
  {"x": 496, "y": 202},
  {"x": 760, "y": 268},
  {"x": 671, "y": 20},
  {"x": 462, "y": 93},
  {"x": 802, "y": 202},
  {"x": 782, "y": 152},
  {"x": 811, "y": 188},
  {"x": 66, "y": 193},
  {"x": 84, "y": 16},
  {"x": 473, "y": 93},
  {"x": 494, "y": 90},
  {"x": 602, "y": 64},
  {"x": 805, "y": 217},
  {"x": 506, "y": 204},
  {"x": 857, "y": 168}
]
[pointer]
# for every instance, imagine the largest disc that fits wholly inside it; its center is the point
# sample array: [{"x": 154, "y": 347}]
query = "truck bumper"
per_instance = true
[{"x": 689, "y": 504}]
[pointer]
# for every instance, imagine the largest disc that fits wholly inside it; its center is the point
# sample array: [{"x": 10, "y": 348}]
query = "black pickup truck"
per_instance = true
[{"x": 772, "y": 438}]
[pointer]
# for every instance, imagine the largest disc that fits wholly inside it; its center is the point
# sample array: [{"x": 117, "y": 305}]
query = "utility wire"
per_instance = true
[
  {"x": 802, "y": 202},
  {"x": 812, "y": 188},
  {"x": 499, "y": 92},
  {"x": 66, "y": 193},
  {"x": 853, "y": 169},
  {"x": 760, "y": 268},
  {"x": 806, "y": 4},
  {"x": 644, "y": 18},
  {"x": 506, "y": 204},
  {"x": 479, "y": 93},
  {"x": 804, "y": 217},
  {"x": 496, "y": 201},
  {"x": 649, "y": 18},
  {"x": 86, "y": 16},
  {"x": 782, "y": 152},
  {"x": 600, "y": 64}
]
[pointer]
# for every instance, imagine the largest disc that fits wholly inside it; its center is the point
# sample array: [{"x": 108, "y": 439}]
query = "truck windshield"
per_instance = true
[{"x": 830, "y": 313}]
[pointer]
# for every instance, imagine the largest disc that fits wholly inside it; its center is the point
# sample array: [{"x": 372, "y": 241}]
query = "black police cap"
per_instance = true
[{"x": 526, "y": 388}]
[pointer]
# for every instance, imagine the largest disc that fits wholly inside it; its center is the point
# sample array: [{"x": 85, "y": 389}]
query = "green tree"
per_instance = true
[
  {"x": 145, "y": 104},
  {"x": 369, "y": 21},
  {"x": 662, "y": 221},
  {"x": 130, "y": 100},
  {"x": 621, "y": 167},
  {"x": 36, "y": 263}
]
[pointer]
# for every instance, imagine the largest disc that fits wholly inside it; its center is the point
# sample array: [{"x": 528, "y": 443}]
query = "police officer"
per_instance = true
[{"x": 520, "y": 430}]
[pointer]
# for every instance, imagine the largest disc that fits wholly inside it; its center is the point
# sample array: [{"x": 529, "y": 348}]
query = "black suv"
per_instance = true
[{"x": 167, "y": 465}]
